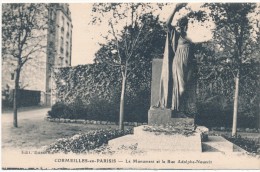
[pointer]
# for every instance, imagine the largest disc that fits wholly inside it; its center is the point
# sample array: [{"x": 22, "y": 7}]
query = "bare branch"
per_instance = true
[
  {"x": 133, "y": 45},
  {"x": 117, "y": 43}
]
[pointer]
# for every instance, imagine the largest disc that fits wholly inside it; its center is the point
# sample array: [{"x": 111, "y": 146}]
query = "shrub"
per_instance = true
[
  {"x": 100, "y": 109},
  {"x": 81, "y": 143},
  {"x": 245, "y": 143},
  {"x": 213, "y": 115},
  {"x": 59, "y": 110},
  {"x": 78, "y": 109},
  {"x": 93, "y": 92}
]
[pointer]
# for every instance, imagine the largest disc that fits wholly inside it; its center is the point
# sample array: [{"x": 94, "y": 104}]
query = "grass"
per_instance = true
[{"x": 35, "y": 132}]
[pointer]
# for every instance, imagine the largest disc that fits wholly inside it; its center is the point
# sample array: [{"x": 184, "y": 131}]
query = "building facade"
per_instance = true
[
  {"x": 59, "y": 42},
  {"x": 36, "y": 73}
]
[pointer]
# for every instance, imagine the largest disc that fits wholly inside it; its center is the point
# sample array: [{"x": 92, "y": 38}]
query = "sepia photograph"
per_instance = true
[{"x": 130, "y": 85}]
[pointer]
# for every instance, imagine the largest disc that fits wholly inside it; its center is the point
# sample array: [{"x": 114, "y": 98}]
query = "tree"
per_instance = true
[
  {"x": 233, "y": 38},
  {"x": 23, "y": 37},
  {"x": 131, "y": 27}
]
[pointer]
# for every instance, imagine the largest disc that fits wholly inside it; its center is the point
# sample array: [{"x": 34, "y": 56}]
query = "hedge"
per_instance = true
[{"x": 93, "y": 92}]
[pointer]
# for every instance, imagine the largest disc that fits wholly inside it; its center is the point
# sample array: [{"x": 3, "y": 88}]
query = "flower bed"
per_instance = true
[
  {"x": 169, "y": 129},
  {"x": 247, "y": 130},
  {"x": 84, "y": 142},
  {"x": 249, "y": 145}
]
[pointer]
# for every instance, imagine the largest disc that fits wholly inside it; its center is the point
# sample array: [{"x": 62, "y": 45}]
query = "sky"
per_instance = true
[
  {"x": 86, "y": 37},
  {"x": 84, "y": 44}
]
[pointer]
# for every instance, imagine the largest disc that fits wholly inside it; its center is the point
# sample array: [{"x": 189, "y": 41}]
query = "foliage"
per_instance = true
[
  {"x": 232, "y": 53},
  {"x": 84, "y": 142},
  {"x": 22, "y": 30},
  {"x": 249, "y": 145},
  {"x": 84, "y": 82},
  {"x": 99, "y": 109},
  {"x": 92, "y": 92},
  {"x": 60, "y": 110},
  {"x": 223, "y": 118},
  {"x": 169, "y": 129}
]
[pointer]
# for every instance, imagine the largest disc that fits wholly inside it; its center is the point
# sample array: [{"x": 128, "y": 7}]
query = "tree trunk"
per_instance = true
[
  {"x": 234, "y": 127},
  {"x": 15, "y": 102},
  {"x": 122, "y": 104}
]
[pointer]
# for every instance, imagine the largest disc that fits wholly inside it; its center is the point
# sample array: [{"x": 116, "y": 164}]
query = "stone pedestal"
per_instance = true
[
  {"x": 164, "y": 116},
  {"x": 151, "y": 141},
  {"x": 163, "y": 142},
  {"x": 156, "y": 77},
  {"x": 159, "y": 116}
]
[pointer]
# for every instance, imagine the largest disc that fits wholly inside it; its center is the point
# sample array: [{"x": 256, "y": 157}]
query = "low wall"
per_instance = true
[{"x": 82, "y": 121}]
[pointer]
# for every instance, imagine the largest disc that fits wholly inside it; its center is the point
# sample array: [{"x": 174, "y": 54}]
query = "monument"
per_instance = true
[{"x": 173, "y": 97}]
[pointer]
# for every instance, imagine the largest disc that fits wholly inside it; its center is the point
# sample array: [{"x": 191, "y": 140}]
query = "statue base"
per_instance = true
[
  {"x": 147, "y": 141},
  {"x": 157, "y": 116}
]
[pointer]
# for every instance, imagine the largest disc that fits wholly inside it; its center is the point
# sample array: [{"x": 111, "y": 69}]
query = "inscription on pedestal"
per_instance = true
[
  {"x": 159, "y": 116},
  {"x": 164, "y": 116}
]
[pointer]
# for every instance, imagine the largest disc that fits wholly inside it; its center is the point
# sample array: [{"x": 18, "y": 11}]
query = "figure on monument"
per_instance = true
[{"x": 178, "y": 79}]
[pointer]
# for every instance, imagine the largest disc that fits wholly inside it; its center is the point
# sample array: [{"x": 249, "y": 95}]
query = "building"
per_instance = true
[
  {"x": 59, "y": 42},
  {"x": 36, "y": 73}
]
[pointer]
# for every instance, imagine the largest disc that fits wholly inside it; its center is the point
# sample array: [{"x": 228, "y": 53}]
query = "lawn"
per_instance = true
[{"x": 34, "y": 132}]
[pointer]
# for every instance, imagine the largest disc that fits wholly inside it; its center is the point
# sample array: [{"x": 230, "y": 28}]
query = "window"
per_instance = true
[
  {"x": 67, "y": 45},
  {"x": 12, "y": 76},
  {"x": 61, "y": 41},
  {"x": 63, "y": 22},
  {"x": 61, "y": 62},
  {"x": 62, "y": 29},
  {"x": 61, "y": 50},
  {"x": 68, "y": 35}
]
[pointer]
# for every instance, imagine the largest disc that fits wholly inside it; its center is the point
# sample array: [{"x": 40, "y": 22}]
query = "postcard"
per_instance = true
[{"x": 130, "y": 85}]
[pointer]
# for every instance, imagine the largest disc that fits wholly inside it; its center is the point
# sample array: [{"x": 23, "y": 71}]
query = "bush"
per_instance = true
[
  {"x": 60, "y": 110},
  {"x": 213, "y": 114},
  {"x": 248, "y": 144},
  {"x": 81, "y": 143},
  {"x": 101, "y": 109},
  {"x": 137, "y": 106},
  {"x": 93, "y": 92},
  {"x": 78, "y": 109}
]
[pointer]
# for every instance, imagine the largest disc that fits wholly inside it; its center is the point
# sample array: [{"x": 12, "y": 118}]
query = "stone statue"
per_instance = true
[{"x": 178, "y": 79}]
